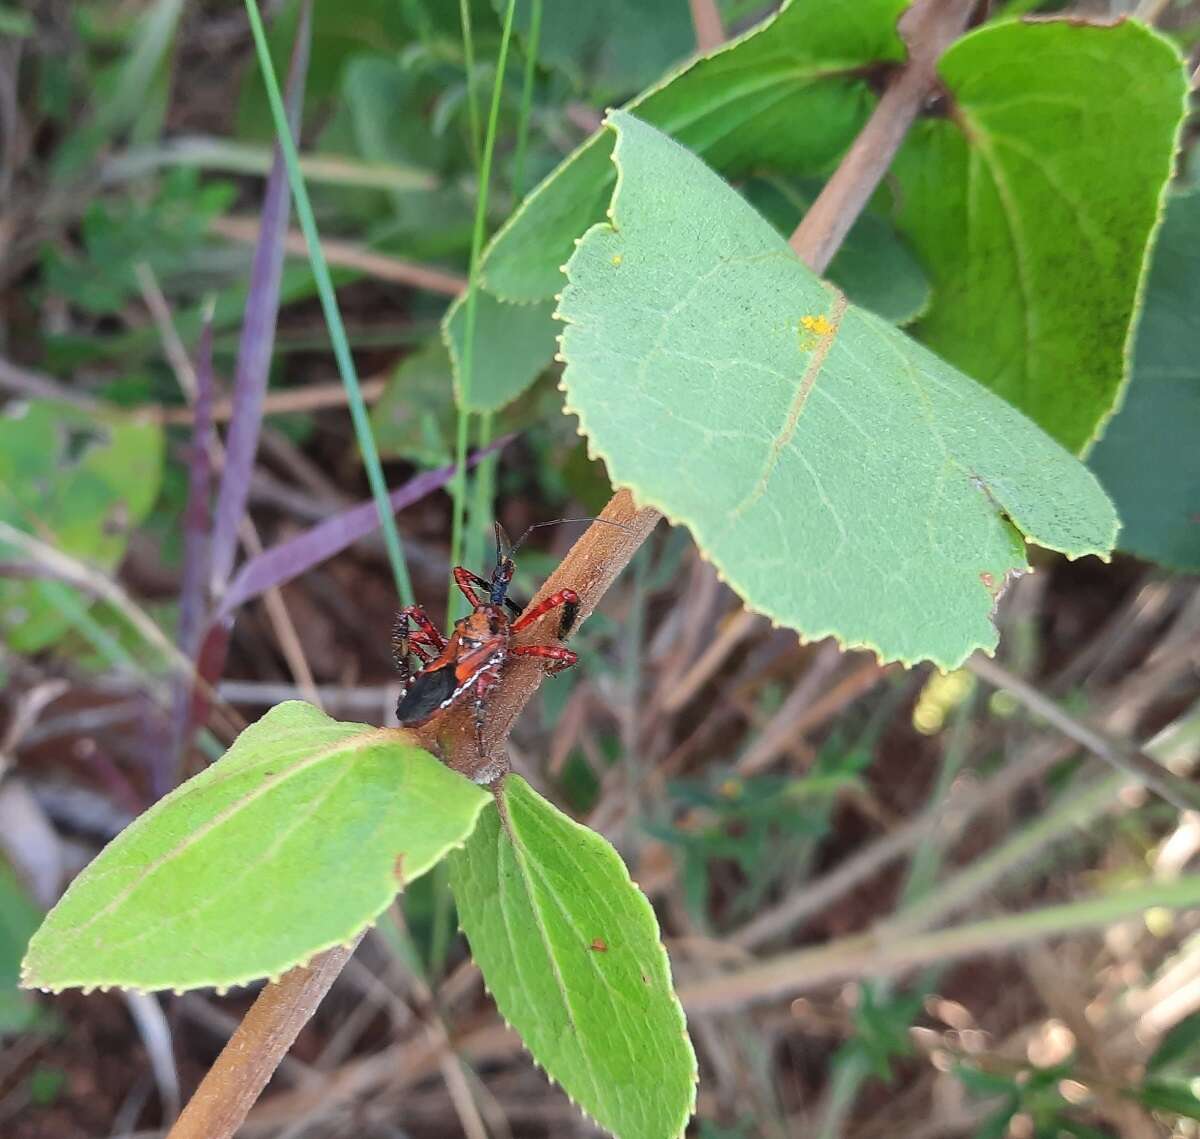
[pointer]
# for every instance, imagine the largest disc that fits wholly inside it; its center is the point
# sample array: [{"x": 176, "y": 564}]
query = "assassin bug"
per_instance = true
[{"x": 470, "y": 660}]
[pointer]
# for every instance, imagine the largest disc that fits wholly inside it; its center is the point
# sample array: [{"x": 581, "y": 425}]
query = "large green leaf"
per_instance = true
[
  {"x": 293, "y": 842},
  {"x": 80, "y": 480},
  {"x": 841, "y": 477},
  {"x": 1149, "y": 458},
  {"x": 570, "y": 950},
  {"x": 788, "y": 96},
  {"x": 1032, "y": 203}
]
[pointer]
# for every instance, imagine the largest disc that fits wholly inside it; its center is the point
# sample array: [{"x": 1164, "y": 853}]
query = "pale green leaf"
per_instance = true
[
  {"x": 841, "y": 477},
  {"x": 570, "y": 949},
  {"x": 293, "y": 842},
  {"x": 80, "y": 480},
  {"x": 1032, "y": 203},
  {"x": 514, "y": 342},
  {"x": 1149, "y": 457}
]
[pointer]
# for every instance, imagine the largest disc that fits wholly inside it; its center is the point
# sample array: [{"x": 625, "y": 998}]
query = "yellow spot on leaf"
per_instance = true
[
  {"x": 617, "y": 259},
  {"x": 817, "y": 324}
]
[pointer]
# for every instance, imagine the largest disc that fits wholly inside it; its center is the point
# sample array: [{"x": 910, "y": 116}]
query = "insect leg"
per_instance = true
[
  {"x": 405, "y": 640},
  {"x": 556, "y": 658},
  {"x": 567, "y": 598}
]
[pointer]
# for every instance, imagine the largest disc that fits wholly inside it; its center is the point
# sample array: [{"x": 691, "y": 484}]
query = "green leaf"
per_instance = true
[
  {"x": 608, "y": 47},
  {"x": 1180, "y": 1044},
  {"x": 789, "y": 96},
  {"x": 19, "y": 917},
  {"x": 1170, "y": 1097},
  {"x": 1032, "y": 204},
  {"x": 1148, "y": 459},
  {"x": 81, "y": 480},
  {"x": 294, "y": 841},
  {"x": 414, "y": 417},
  {"x": 842, "y": 478},
  {"x": 514, "y": 343},
  {"x": 570, "y": 950}
]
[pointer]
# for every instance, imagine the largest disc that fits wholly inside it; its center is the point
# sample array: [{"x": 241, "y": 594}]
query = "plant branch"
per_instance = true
[
  {"x": 1125, "y": 757},
  {"x": 247, "y": 1062},
  {"x": 881, "y": 952},
  {"x": 928, "y": 28},
  {"x": 706, "y": 19}
]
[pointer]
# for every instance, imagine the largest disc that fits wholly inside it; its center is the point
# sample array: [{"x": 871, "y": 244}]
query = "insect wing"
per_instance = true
[{"x": 429, "y": 692}]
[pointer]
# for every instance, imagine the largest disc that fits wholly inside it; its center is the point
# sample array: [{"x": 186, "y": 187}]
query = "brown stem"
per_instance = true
[
  {"x": 706, "y": 19},
  {"x": 928, "y": 27},
  {"x": 593, "y": 563},
  {"x": 253, "y": 1053},
  {"x": 589, "y": 568}
]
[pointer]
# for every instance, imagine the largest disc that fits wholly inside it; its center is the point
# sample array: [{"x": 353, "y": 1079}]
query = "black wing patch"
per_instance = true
[{"x": 429, "y": 691}]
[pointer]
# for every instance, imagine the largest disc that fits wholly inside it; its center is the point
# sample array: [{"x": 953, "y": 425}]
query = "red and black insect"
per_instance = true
[{"x": 468, "y": 663}]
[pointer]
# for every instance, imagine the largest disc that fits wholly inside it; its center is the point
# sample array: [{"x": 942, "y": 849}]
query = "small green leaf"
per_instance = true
[
  {"x": 1149, "y": 457},
  {"x": 82, "y": 480},
  {"x": 1032, "y": 204},
  {"x": 414, "y": 418},
  {"x": 570, "y": 950},
  {"x": 514, "y": 342},
  {"x": 842, "y": 478},
  {"x": 294, "y": 841}
]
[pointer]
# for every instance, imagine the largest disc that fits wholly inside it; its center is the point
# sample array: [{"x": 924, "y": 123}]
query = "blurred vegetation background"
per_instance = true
[{"x": 766, "y": 793}]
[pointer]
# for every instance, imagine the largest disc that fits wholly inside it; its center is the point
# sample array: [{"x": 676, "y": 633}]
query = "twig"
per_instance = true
[
  {"x": 100, "y": 585},
  {"x": 310, "y": 397},
  {"x": 879, "y": 953},
  {"x": 347, "y": 255},
  {"x": 36, "y": 385},
  {"x": 1133, "y": 761},
  {"x": 266, "y": 1033},
  {"x": 928, "y": 27},
  {"x": 706, "y": 19},
  {"x": 188, "y": 379}
]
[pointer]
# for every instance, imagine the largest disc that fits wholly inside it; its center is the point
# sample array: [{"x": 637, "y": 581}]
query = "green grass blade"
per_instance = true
[
  {"x": 459, "y": 486},
  {"x": 333, "y": 317},
  {"x": 531, "y": 49}
]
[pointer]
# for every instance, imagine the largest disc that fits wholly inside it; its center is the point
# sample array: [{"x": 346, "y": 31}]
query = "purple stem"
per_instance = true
[
  {"x": 298, "y": 555},
  {"x": 258, "y": 334}
]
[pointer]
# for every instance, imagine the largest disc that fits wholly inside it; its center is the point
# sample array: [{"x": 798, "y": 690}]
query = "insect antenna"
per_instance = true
[{"x": 553, "y": 522}]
